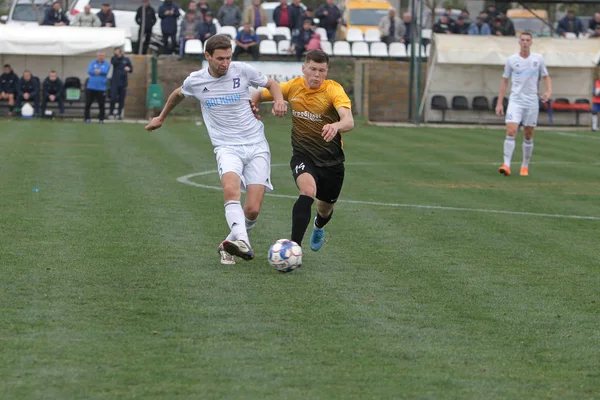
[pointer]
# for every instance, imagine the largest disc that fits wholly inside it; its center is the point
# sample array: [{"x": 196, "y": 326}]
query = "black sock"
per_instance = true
[
  {"x": 320, "y": 222},
  {"x": 11, "y": 108},
  {"x": 301, "y": 217}
]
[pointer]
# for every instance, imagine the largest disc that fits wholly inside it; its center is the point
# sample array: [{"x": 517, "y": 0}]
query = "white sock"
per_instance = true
[
  {"x": 509, "y": 148},
  {"x": 234, "y": 214},
  {"x": 527, "y": 150},
  {"x": 249, "y": 225},
  {"x": 595, "y": 121}
]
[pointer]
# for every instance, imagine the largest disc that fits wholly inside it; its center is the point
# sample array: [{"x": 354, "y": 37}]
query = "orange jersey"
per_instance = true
[
  {"x": 596, "y": 99},
  {"x": 311, "y": 110}
]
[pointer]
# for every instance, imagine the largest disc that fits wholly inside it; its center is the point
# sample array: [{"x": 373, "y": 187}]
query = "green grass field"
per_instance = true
[{"x": 440, "y": 280}]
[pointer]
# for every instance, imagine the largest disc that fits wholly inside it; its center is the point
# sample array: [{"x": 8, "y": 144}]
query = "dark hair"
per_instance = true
[
  {"x": 217, "y": 42},
  {"x": 6, "y": 65},
  {"x": 526, "y": 33},
  {"x": 52, "y": 71},
  {"x": 318, "y": 56}
]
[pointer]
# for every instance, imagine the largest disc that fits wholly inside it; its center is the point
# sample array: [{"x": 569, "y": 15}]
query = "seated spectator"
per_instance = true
[
  {"x": 202, "y": 8},
  {"x": 443, "y": 25},
  {"x": 246, "y": 42},
  {"x": 594, "y": 22},
  {"x": 466, "y": 16},
  {"x": 461, "y": 28},
  {"x": 28, "y": 90},
  {"x": 479, "y": 27},
  {"x": 229, "y": 14},
  {"x": 498, "y": 29},
  {"x": 507, "y": 24},
  {"x": 391, "y": 28},
  {"x": 55, "y": 16},
  {"x": 207, "y": 28},
  {"x": 188, "y": 30},
  {"x": 492, "y": 14},
  {"x": 52, "y": 90},
  {"x": 284, "y": 15},
  {"x": 87, "y": 19},
  {"x": 451, "y": 20},
  {"x": 571, "y": 24},
  {"x": 303, "y": 39},
  {"x": 314, "y": 43},
  {"x": 107, "y": 17},
  {"x": 9, "y": 82},
  {"x": 407, "y": 21},
  {"x": 255, "y": 15}
]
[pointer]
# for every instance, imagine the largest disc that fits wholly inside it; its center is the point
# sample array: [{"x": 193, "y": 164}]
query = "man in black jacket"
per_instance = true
[
  {"x": 28, "y": 90},
  {"x": 107, "y": 17},
  {"x": 8, "y": 87},
  {"x": 52, "y": 89},
  {"x": 147, "y": 23},
  {"x": 330, "y": 16},
  {"x": 56, "y": 16},
  {"x": 118, "y": 87}
]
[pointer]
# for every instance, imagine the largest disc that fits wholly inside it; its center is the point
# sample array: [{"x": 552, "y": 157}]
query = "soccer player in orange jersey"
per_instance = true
[{"x": 321, "y": 112}]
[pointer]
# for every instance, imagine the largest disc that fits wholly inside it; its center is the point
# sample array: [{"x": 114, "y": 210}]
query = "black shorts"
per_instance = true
[{"x": 329, "y": 179}]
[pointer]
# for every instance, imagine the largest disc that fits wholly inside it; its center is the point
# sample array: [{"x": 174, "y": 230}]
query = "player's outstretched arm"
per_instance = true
[
  {"x": 345, "y": 124},
  {"x": 174, "y": 99},
  {"x": 279, "y": 105},
  {"x": 548, "y": 93},
  {"x": 501, "y": 92}
]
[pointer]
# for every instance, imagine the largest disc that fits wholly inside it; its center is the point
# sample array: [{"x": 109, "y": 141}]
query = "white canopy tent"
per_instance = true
[{"x": 473, "y": 65}]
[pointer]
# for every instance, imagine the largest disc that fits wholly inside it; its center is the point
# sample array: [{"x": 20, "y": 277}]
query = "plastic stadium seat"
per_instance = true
[
  {"x": 283, "y": 30},
  {"x": 584, "y": 36},
  {"x": 127, "y": 48},
  {"x": 372, "y": 35},
  {"x": 264, "y": 33},
  {"x": 504, "y": 103},
  {"x": 561, "y": 104},
  {"x": 481, "y": 103},
  {"x": 439, "y": 102},
  {"x": 354, "y": 35},
  {"x": 397, "y": 50},
  {"x": 322, "y": 32},
  {"x": 570, "y": 35},
  {"x": 460, "y": 103},
  {"x": 379, "y": 49},
  {"x": 424, "y": 52},
  {"x": 341, "y": 48},
  {"x": 326, "y": 46},
  {"x": 228, "y": 30},
  {"x": 360, "y": 49},
  {"x": 271, "y": 27},
  {"x": 233, "y": 45},
  {"x": 193, "y": 46},
  {"x": 267, "y": 47},
  {"x": 283, "y": 47},
  {"x": 426, "y": 33},
  {"x": 72, "y": 87}
]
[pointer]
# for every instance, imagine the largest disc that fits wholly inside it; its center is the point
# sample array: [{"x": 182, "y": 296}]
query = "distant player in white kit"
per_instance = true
[
  {"x": 525, "y": 68},
  {"x": 242, "y": 152}
]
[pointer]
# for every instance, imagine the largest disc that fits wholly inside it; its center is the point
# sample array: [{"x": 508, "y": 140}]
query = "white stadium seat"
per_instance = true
[
  {"x": 271, "y": 27},
  {"x": 379, "y": 49},
  {"x": 283, "y": 47},
  {"x": 193, "y": 46},
  {"x": 326, "y": 46},
  {"x": 360, "y": 49},
  {"x": 397, "y": 50},
  {"x": 423, "y": 51},
  {"x": 233, "y": 45},
  {"x": 341, "y": 48},
  {"x": 354, "y": 35},
  {"x": 321, "y": 31},
  {"x": 127, "y": 48},
  {"x": 570, "y": 35},
  {"x": 267, "y": 47},
  {"x": 426, "y": 33},
  {"x": 372, "y": 35},
  {"x": 283, "y": 30},
  {"x": 263, "y": 30},
  {"x": 228, "y": 30}
]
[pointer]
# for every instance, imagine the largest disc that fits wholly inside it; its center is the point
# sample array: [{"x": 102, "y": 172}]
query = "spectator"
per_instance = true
[
  {"x": 596, "y": 34},
  {"x": 96, "y": 86},
  {"x": 391, "y": 28},
  {"x": 594, "y": 22},
  {"x": 329, "y": 16},
  {"x": 28, "y": 89},
  {"x": 56, "y": 16},
  {"x": 466, "y": 17},
  {"x": 207, "y": 28},
  {"x": 246, "y": 42},
  {"x": 299, "y": 11},
  {"x": 314, "y": 43},
  {"x": 8, "y": 87},
  {"x": 145, "y": 18},
  {"x": 118, "y": 87},
  {"x": 284, "y": 15},
  {"x": 188, "y": 30},
  {"x": 52, "y": 90},
  {"x": 492, "y": 14},
  {"x": 310, "y": 14},
  {"x": 507, "y": 24},
  {"x": 303, "y": 39},
  {"x": 169, "y": 13},
  {"x": 87, "y": 19},
  {"x": 255, "y": 15},
  {"x": 229, "y": 14},
  {"x": 202, "y": 8},
  {"x": 461, "y": 28},
  {"x": 193, "y": 7},
  {"x": 479, "y": 27},
  {"x": 571, "y": 24},
  {"x": 451, "y": 20},
  {"x": 498, "y": 29},
  {"x": 107, "y": 17},
  {"x": 407, "y": 21},
  {"x": 443, "y": 25}
]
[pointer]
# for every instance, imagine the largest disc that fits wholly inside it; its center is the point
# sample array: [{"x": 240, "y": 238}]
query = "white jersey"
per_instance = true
[
  {"x": 225, "y": 104},
  {"x": 525, "y": 73}
]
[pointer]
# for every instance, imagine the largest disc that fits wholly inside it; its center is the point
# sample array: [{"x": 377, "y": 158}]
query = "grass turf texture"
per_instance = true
[{"x": 112, "y": 288}]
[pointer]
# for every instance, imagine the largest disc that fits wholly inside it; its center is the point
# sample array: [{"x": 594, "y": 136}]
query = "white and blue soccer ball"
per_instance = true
[{"x": 285, "y": 255}]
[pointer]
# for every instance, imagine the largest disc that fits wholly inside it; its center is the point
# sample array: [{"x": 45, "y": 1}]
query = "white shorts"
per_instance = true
[
  {"x": 527, "y": 115},
  {"x": 252, "y": 163}
]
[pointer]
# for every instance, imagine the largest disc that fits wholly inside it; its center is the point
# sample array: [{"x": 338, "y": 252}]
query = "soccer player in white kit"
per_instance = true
[
  {"x": 241, "y": 149},
  {"x": 525, "y": 69}
]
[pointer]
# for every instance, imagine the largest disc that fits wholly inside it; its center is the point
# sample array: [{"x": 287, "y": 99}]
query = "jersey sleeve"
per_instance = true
[
  {"x": 338, "y": 97},
  {"x": 543, "y": 69},
  {"x": 186, "y": 88},
  {"x": 255, "y": 77},
  {"x": 285, "y": 89},
  {"x": 507, "y": 70}
]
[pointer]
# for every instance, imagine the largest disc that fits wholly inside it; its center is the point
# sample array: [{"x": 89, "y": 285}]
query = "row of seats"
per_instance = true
[{"x": 340, "y": 48}]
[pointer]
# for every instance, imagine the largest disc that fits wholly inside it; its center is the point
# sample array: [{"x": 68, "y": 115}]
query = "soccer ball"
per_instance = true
[{"x": 285, "y": 255}]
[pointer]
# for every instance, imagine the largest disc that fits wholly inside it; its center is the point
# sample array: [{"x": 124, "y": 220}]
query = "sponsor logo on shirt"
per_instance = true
[
  {"x": 307, "y": 115},
  {"x": 218, "y": 101}
]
